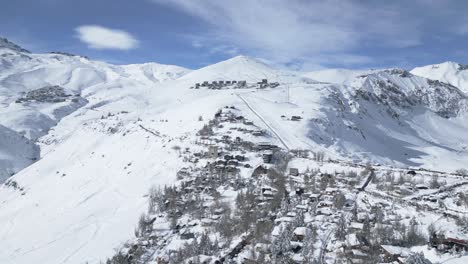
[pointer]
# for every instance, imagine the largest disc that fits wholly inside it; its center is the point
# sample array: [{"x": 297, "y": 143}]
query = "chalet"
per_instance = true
[
  {"x": 293, "y": 172},
  {"x": 267, "y": 157},
  {"x": 239, "y": 158},
  {"x": 242, "y": 84},
  {"x": 213, "y": 152},
  {"x": 299, "y": 233},
  {"x": 361, "y": 217},
  {"x": 228, "y": 157},
  {"x": 296, "y": 118},
  {"x": 260, "y": 170},
  {"x": 394, "y": 253},
  {"x": 186, "y": 234},
  {"x": 258, "y": 133},
  {"x": 248, "y": 122},
  {"x": 314, "y": 197},
  {"x": 358, "y": 256},
  {"x": 266, "y": 146},
  {"x": 421, "y": 187},
  {"x": 302, "y": 207},
  {"x": 356, "y": 226},
  {"x": 449, "y": 241},
  {"x": 220, "y": 162},
  {"x": 323, "y": 204},
  {"x": 240, "y": 118},
  {"x": 324, "y": 211},
  {"x": 331, "y": 191},
  {"x": 232, "y": 170},
  {"x": 218, "y": 211},
  {"x": 233, "y": 163},
  {"x": 352, "y": 242},
  {"x": 284, "y": 219}
]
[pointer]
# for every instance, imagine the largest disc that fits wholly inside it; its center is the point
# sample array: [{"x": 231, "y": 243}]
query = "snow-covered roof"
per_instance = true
[
  {"x": 396, "y": 251},
  {"x": 300, "y": 231}
]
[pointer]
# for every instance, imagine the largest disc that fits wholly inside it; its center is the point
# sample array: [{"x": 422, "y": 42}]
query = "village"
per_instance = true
[
  {"x": 241, "y": 198},
  {"x": 233, "y": 84}
]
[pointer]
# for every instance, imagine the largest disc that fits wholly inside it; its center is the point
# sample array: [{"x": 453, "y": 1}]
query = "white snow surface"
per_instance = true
[
  {"x": 83, "y": 197},
  {"x": 337, "y": 76},
  {"x": 450, "y": 72}
]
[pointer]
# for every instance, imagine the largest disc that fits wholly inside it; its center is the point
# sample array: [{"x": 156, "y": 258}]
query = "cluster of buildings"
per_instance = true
[{"x": 233, "y": 84}]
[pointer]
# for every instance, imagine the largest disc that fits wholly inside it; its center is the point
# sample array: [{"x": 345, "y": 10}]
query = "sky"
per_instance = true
[{"x": 296, "y": 34}]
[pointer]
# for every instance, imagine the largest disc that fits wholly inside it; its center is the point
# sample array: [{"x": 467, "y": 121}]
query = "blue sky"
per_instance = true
[{"x": 297, "y": 34}]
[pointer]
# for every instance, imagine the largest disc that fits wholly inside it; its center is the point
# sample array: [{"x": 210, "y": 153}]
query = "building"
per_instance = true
[
  {"x": 293, "y": 172},
  {"x": 267, "y": 157},
  {"x": 260, "y": 170},
  {"x": 213, "y": 152}
]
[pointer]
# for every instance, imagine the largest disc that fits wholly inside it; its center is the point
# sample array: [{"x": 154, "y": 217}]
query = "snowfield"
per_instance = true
[
  {"x": 83, "y": 164},
  {"x": 449, "y": 72}
]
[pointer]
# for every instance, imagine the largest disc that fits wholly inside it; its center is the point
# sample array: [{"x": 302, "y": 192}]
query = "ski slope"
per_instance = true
[{"x": 82, "y": 198}]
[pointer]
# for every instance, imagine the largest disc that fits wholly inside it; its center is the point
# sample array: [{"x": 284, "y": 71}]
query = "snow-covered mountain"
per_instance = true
[
  {"x": 337, "y": 76},
  {"x": 107, "y": 133},
  {"x": 23, "y": 76},
  {"x": 243, "y": 68},
  {"x": 449, "y": 72}
]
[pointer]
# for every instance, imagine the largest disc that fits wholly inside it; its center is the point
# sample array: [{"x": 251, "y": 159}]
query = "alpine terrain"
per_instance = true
[{"x": 235, "y": 162}]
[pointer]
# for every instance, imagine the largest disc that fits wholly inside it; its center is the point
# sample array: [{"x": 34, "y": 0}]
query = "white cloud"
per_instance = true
[
  {"x": 315, "y": 31},
  {"x": 98, "y": 37}
]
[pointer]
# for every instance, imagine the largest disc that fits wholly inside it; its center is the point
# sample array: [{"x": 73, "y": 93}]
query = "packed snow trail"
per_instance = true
[{"x": 264, "y": 121}]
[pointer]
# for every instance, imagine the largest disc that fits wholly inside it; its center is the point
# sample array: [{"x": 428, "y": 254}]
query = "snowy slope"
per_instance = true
[
  {"x": 243, "y": 68},
  {"x": 387, "y": 117},
  {"x": 83, "y": 197},
  {"x": 453, "y": 73},
  {"x": 23, "y": 73},
  {"x": 154, "y": 72},
  {"x": 336, "y": 76}
]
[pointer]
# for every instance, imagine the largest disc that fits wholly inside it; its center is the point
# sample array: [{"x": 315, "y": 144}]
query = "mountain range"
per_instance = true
[{"x": 82, "y": 141}]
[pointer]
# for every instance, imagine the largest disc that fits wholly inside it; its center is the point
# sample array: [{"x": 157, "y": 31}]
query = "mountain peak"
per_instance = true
[
  {"x": 450, "y": 72},
  {"x": 7, "y": 44}
]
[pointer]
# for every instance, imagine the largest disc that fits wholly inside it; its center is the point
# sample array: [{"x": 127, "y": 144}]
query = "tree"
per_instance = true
[
  {"x": 308, "y": 247},
  {"x": 339, "y": 200},
  {"x": 341, "y": 229},
  {"x": 413, "y": 235},
  {"x": 434, "y": 184},
  {"x": 462, "y": 172},
  {"x": 281, "y": 245}
]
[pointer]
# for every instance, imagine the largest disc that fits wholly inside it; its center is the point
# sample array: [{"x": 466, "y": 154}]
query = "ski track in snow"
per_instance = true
[{"x": 265, "y": 122}]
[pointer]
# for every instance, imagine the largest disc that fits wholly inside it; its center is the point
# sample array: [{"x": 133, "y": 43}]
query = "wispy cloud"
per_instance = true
[
  {"x": 285, "y": 30},
  {"x": 98, "y": 37}
]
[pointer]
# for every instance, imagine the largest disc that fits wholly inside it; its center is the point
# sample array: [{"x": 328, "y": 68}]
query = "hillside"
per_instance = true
[
  {"x": 449, "y": 72},
  {"x": 336, "y": 76},
  {"x": 107, "y": 134}
]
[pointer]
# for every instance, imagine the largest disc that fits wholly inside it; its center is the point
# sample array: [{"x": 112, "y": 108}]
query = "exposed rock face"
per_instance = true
[{"x": 5, "y": 43}]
